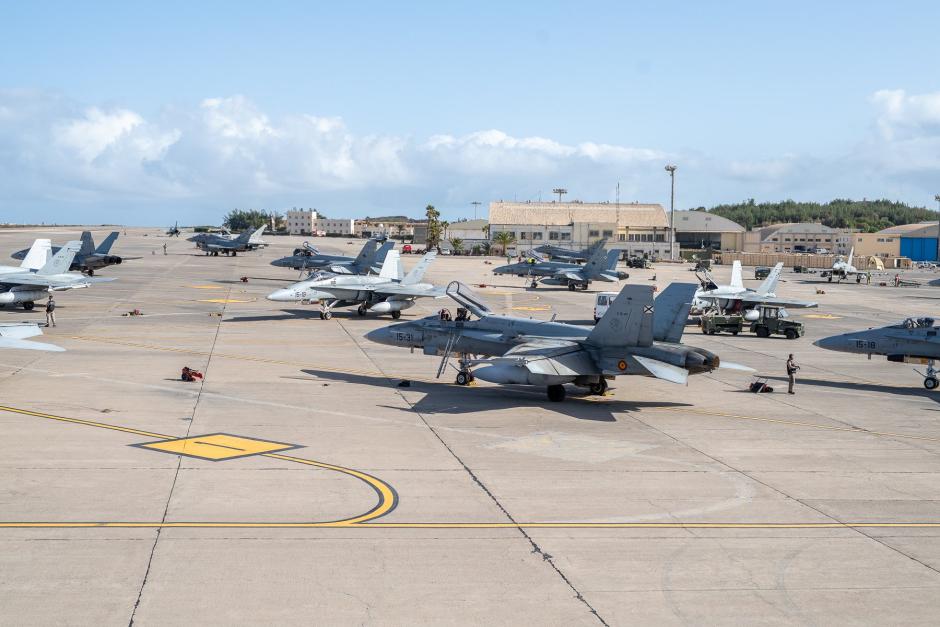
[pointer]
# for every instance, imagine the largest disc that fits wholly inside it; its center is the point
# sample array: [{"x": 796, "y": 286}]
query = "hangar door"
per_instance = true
[{"x": 919, "y": 248}]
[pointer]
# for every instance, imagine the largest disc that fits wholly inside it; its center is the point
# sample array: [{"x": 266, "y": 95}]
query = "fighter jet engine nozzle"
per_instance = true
[
  {"x": 22, "y": 296},
  {"x": 699, "y": 360},
  {"x": 389, "y": 306},
  {"x": 112, "y": 260}
]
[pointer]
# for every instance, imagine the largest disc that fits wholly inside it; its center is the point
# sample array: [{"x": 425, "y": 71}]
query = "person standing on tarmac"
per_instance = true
[
  {"x": 791, "y": 373},
  {"x": 50, "y": 312}
]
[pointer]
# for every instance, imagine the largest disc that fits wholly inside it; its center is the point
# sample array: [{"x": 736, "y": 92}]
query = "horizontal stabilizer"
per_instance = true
[{"x": 662, "y": 370}]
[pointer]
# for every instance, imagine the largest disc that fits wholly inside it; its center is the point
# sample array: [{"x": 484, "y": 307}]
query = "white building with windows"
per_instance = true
[
  {"x": 335, "y": 226},
  {"x": 301, "y": 221},
  {"x": 638, "y": 229}
]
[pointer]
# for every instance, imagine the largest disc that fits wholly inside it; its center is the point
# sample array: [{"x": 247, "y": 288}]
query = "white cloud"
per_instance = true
[{"x": 902, "y": 115}]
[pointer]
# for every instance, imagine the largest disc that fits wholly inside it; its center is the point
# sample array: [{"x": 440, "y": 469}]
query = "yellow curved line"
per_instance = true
[{"x": 467, "y": 525}]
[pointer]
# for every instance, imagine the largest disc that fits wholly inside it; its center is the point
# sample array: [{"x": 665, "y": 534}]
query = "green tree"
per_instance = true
[
  {"x": 840, "y": 213},
  {"x": 503, "y": 240},
  {"x": 434, "y": 226},
  {"x": 456, "y": 243},
  {"x": 242, "y": 220}
]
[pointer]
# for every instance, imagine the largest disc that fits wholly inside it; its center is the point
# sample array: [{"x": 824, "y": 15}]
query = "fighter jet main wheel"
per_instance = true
[
  {"x": 28, "y": 305},
  {"x": 931, "y": 383},
  {"x": 464, "y": 378},
  {"x": 556, "y": 393},
  {"x": 572, "y": 287},
  {"x": 534, "y": 284},
  {"x": 396, "y": 315},
  {"x": 361, "y": 310},
  {"x": 91, "y": 272},
  {"x": 599, "y": 388}
]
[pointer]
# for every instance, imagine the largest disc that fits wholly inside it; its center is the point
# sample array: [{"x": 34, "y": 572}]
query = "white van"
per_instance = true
[{"x": 602, "y": 303}]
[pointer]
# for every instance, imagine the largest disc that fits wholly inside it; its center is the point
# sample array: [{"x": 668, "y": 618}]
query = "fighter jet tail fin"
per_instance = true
[
  {"x": 596, "y": 263},
  {"x": 671, "y": 311},
  {"x": 417, "y": 273},
  {"x": 105, "y": 246},
  {"x": 736, "y": 277},
  {"x": 390, "y": 267},
  {"x": 612, "y": 257},
  {"x": 851, "y": 254},
  {"x": 769, "y": 286},
  {"x": 628, "y": 321},
  {"x": 367, "y": 256},
  {"x": 38, "y": 254},
  {"x": 62, "y": 260},
  {"x": 88, "y": 244}
]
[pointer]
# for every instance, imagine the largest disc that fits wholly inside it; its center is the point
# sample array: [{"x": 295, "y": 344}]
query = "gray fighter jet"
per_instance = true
[
  {"x": 636, "y": 336},
  {"x": 38, "y": 275},
  {"x": 913, "y": 341},
  {"x": 215, "y": 243},
  {"x": 566, "y": 254},
  {"x": 385, "y": 293},
  {"x": 602, "y": 266},
  {"x": 89, "y": 258},
  {"x": 736, "y": 297},
  {"x": 369, "y": 259}
]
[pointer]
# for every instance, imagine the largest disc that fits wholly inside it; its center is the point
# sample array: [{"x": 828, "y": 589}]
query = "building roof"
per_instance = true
[
  {"x": 918, "y": 229},
  {"x": 564, "y": 213},
  {"x": 702, "y": 221},
  {"x": 468, "y": 225}
]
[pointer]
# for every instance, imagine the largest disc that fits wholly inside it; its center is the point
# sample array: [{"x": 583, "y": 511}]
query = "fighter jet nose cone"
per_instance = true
[
  {"x": 278, "y": 296},
  {"x": 379, "y": 336}
]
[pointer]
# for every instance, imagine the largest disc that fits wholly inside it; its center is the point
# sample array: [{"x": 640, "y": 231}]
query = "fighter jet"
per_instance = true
[
  {"x": 215, "y": 243},
  {"x": 174, "y": 231},
  {"x": 602, "y": 266},
  {"x": 368, "y": 260},
  {"x": 843, "y": 269},
  {"x": 13, "y": 335},
  {"x": 636, "y": 336},
  {"x": 33, "y": 279},
  {"x": 736, "y": 297},
  {"x": 385, "y": 293},
  {"x": 89, "y": 258},
  {"x": 566, "y": 254},
  {"x": 913, "y": 341}
]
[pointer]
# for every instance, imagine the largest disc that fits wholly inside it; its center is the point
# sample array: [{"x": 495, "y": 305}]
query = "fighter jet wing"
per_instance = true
[
  {"x": 14, "y": 336},
  {"x": 414, "y": 291},
  {"x": 54, "y": 282},
  {"x": 552, "y": 357},
  {"x": 571, "y": 275},
  {"x": 780, "y": 302}
]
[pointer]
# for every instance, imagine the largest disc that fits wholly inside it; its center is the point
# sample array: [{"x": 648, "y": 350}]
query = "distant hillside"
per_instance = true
[
  {"x": 390, "y": 219},
  {"x": 866, "y": 215}
]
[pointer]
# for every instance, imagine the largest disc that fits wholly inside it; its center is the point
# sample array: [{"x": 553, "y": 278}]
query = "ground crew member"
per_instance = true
[
  {"x": 791, "y": 373},
  {"x": 50, "y": 312},
  {"x": 164, "y": 248}
]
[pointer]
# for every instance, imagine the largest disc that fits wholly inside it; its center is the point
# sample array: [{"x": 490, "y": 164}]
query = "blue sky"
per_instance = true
[{"x": 141, "y": 114}]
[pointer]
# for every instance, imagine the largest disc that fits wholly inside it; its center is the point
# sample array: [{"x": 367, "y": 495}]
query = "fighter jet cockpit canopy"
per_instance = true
[
  {"x": 918, "y": 323},
  {"x": 468, "y": 299},
  {"x": 319, "y": 275}
]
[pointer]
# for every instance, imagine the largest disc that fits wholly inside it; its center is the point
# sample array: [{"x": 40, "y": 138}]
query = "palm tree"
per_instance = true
[
  {"x": 457, "y": 244},
  {"x": 504, "y": 239}
]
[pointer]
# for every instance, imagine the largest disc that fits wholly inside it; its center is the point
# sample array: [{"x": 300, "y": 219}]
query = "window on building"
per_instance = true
[
  {"x": 594, "y": 233},
  {"x": 660, "y": 237},
  {"x": 608, "y": 233},
  {"x": 524, "y": 235},
  {"x": 553, "y": 235},
  {"x": 537, "y": 236},
  {"x": 622, "y": 237},
  {"x": 566, "y": 237},
  {"x": 775, "y": 239}
]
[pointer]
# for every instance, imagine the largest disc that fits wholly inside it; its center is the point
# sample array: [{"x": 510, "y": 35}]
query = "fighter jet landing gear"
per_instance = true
[
  {"x": 28, "y": 305},
  {"x": 464, "y": 378},
  {"x": 572, "y": 287},
  {"x": 326, "y": 309},
  {"x": 556, "y": 393},
  {"x": 361, "y": 310},
  {"x": 534, "y": 284},
  {"x": 930, "y": 381},
  {"x": 396, "y": 314},
  {"x": 599, "y": 388}
]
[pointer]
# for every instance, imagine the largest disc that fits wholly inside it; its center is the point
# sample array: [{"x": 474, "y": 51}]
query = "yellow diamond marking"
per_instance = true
[{"x": 217, "y": 446}]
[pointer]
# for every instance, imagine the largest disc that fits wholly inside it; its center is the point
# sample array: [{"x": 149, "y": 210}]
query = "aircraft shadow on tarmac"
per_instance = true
[
  {"x": 447, "y": 398},
  {"x": 286, "y": 314},
  {"x": 865, "y": 387}
]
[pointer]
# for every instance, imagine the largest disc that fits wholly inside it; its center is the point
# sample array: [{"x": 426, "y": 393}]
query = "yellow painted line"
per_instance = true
[
  {"x": 462, "y": 525},
  {"x": 205, "y": 287},
  {"x": 226, "y": 301},
  {"x": 796, "y": 423},
  {"x": 822, "y": 316},
  {"x": 539, "y": 308},
  {"x": 387, "y": 497}
]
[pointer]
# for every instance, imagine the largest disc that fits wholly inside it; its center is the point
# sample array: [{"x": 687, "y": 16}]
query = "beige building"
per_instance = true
[
  {"x": 390, "y": 229},
  {"x": 470, "y": 232},
  {"x": 635, "y": 228},
  {"x": 301, "y": 221},
  {"x": 335, "y": 226},
  {"x": 704, "y": 230},
  {"x": 798, "y": 237}
]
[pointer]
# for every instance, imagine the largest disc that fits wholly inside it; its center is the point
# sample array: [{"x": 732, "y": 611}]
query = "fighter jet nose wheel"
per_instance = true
[
  {"x": 361, "y": 310},
  {"x": 572, "y": 287},
  {"x": 556, "y": 393},
  {"x": 325, "y": 315},
  {"x": 931, "y": 383},
  {"x": 464, "y": 378},
  {"x": 534, "y": 284}
]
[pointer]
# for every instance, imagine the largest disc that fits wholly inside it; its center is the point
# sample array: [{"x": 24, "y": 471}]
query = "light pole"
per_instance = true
[
  {"x": 561, "y": 191},
  {"x": 672, "y": 211},
  {"x": 475, "y": 203}
]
